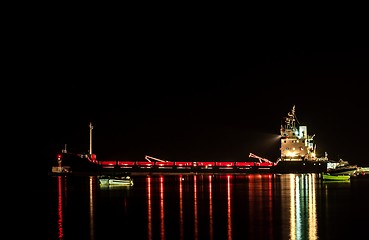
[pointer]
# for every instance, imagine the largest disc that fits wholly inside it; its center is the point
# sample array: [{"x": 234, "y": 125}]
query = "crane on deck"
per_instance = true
[
  {"x": 149, "y": 158},
  {"x": 260, "y": 158}
]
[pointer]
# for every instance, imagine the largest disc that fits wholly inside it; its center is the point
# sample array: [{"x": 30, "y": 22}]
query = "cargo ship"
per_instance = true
[{"x": 297, "y": 155}]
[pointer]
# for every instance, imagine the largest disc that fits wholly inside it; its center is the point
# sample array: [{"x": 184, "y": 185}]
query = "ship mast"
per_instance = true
[{"x": 91, "y": 127}]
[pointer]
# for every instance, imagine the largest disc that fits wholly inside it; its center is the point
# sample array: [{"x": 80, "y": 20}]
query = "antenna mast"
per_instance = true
[{"x": 91, "y": 127}]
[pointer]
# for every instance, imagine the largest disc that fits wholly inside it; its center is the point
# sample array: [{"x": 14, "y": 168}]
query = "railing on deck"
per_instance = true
[{"x": 183, "y": 165}]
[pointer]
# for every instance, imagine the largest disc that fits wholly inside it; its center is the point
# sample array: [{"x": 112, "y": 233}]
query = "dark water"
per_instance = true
[{"x": 206, "y": 206}]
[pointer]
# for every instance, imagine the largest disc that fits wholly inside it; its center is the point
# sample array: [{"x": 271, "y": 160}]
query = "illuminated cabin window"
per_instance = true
[{"x": 293, "y": 149}]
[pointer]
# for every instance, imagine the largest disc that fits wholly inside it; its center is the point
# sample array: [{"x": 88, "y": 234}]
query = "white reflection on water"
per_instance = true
[
  {"x": 313, "y": 218},
  {"x": 302, "y": 209},
  {"x": 92, "y": 186}
]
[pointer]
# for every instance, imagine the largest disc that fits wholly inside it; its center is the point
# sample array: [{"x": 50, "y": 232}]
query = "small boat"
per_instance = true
[
  {"x": 124, "y": 180},
  {"x": 329, "y": 177},
  {"x": 343, "y": 168}
]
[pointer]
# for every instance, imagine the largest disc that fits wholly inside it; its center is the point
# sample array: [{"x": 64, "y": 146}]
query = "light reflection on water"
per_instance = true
[
  {"x": 60, "y": 207},
  {"x": 229, "y": 211},
  {"x": 204, "y": 206},
  {"x": 92, "y": 207},
  {"x": 302, "y": 206},
  {"x": 149, "y": 209}
]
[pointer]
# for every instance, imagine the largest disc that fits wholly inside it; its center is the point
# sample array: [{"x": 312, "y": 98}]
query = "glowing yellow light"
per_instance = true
[{"x": 291, "y": 154}]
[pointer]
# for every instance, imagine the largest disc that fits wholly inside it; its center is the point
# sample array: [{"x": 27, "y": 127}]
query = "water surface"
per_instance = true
[{"x": 208, "y": 206}]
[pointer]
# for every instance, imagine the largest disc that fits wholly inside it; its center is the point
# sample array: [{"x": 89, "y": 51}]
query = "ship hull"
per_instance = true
[
  {"x": 300, "y": 167},
  {"x": 80, "y": 163},
  {"x": 77, "y": 163},
  {"x": 280, "y": 167}
]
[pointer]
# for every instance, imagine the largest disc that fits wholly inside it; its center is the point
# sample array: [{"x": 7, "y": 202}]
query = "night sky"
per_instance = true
[{"x": 194, "y": 101}]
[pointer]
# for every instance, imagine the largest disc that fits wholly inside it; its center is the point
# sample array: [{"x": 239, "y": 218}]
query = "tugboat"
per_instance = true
[{"x": 298, "y": 149}]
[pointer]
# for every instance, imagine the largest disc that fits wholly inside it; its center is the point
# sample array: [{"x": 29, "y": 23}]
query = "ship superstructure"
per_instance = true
[
  {"x": 298, "y": 149},
  {"x": 296, "y": 144}
]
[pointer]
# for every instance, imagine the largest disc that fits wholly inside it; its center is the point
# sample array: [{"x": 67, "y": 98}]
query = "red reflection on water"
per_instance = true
[
  {"x": 210, "y": 208},
  {"x": 162, "y": 226},
  {"x": 181, "y": 231},
  {"x": 260, "y": 200},
  {"x": 251, "y": 209},
  {"x": 229, "y": 212},
  {"x": 270, "y": 204},
  {"x": 196, "y": 233},
  {"x": 60, "y": 208},
  {"x": 149, "y": 210}
]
